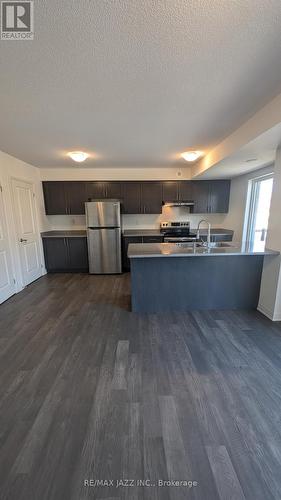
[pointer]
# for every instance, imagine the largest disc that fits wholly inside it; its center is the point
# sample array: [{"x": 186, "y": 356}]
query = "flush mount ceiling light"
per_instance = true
[
  {"x": 78, "y": 156},
  {"x": 191, "y": 155}
]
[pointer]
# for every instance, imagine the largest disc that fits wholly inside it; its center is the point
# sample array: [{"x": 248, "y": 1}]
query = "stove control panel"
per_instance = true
[{"x": 169, "y": 225}]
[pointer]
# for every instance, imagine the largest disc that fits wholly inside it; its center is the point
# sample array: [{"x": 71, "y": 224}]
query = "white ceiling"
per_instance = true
[
  {"x": 256, "y": 154},
  {"x": 136, "y": 81}
]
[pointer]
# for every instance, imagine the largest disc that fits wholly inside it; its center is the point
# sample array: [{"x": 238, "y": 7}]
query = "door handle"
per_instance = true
[
  {"x": 23, "y": 241},
  {"x": 263, "y": 234}
]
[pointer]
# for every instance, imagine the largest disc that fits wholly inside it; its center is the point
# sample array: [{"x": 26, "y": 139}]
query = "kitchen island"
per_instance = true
[{"x": 168, "y": 277}]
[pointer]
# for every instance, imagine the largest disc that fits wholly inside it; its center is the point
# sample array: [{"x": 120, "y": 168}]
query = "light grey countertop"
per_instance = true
[
  {"x": 156, "y": 232},
  {"x": 70, "y": 233},
  {"x": 141, "y": 232},
  {"x": 214, "y": 232},
  {"x": 147, "y": 250},
  {"x": 73, "y": 233}
]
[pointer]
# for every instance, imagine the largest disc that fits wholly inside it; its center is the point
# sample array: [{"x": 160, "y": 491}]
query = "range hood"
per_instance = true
[{"x": 177, "y": 203}]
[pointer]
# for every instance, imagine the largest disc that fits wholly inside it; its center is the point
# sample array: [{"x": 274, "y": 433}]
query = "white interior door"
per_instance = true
[
  {"x": 27, "y": 232},
  {"x": 7, "y": 284}
]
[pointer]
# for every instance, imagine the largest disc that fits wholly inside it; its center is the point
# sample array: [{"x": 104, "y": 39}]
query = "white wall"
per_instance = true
[
  {"x": 270, "y": 294},
  {"x": 112, "y": 174},
  {"x": 11, "y": 167},
  {"x": 57, "y": 222}
]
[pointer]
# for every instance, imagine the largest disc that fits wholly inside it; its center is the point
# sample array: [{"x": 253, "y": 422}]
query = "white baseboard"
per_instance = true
[
  {"x": 268, "y": 313},
  {"x": 265, "y": 311}
]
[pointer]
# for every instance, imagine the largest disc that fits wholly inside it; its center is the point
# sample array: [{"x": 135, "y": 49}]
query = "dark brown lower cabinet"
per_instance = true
[
  {"x": 78, "y": 254},
  {"x": 66, "y": 254},
  {"x": 126, "y": 240}
]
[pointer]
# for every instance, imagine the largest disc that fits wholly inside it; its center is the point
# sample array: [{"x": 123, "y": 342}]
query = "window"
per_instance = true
[{"x": 256, "y": 223}]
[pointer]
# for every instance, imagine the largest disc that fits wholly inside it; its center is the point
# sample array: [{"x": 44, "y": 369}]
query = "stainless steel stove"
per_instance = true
[{"x": 177, "y": 232}]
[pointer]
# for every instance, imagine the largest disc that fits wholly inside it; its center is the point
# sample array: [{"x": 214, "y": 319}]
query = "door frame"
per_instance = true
[
  {"x": 8, "y": 232},
  {"x": 251, "y": 204},
  {"x": 21, "y": 285}
]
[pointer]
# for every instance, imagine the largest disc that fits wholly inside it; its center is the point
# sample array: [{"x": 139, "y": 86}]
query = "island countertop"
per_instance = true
[{"x": 151, "y": 250}]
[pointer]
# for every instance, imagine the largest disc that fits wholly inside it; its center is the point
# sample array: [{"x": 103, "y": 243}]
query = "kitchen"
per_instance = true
[
  {"x": 151, "y": 200},
  {"x": 106, "y": 247}
]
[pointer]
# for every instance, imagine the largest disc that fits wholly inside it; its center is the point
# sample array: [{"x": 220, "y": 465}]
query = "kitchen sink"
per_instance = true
[
  {"x": 193, "y": 244},
  {"x": 188, "y": 244},
  {"x": 218, "y": 244}
]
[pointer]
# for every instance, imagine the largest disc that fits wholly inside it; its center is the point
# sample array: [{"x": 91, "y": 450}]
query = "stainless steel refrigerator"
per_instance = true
[{"x": 104, "y": 236}]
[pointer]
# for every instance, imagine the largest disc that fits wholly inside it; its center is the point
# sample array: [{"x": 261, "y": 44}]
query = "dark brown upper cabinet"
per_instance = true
[
  {"x": 64, "y": 198},
  {"x": 55, "y": 198},
  {"x": 211, "y": 196},
  {"x": 185, "y": 191},
  {"x": 68, "y": 197},
  {"x": 151, "y": 197},
  {"x": 75, "y": 197},
  {"x": 95, "y": 190},
  {"x": 131, "y": 197},
  {"x": 170, "y": 191},
  {"x": 113, "y": 189},
  {"x": 177, "y": 191},
  {"x": 219, "y": 196},
  {"x": 200, "y": 193}
]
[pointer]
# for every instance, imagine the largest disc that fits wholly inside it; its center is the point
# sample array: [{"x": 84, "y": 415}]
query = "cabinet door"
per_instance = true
[
  {"x": 170, "y": 191},
  {"x": 186, "y": 191},
  {"x": 76, "y": 197},
  {"x": 113, "y": 189},
  {"x": 219, "y": 196},
  {"x": 55, "y": 198},
  {"x": 131, "y": 197},
  {"x": 78, "y": 254},
  {"x": 95, "y": 190},
  {"x": 151, "y": 197},
  {"x": 56, "y": 254},
  {"x": 200, "y": 194},
  {"x": 126, "y": 240}
]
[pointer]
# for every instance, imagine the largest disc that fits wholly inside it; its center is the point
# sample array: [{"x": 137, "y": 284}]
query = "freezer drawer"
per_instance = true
[
  {"x": 104, "y": 247},
  {"x": 103, "y": 213}
]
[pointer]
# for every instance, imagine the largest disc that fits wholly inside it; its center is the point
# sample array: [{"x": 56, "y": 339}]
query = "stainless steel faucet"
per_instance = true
[{"x": 209, "y": 231}]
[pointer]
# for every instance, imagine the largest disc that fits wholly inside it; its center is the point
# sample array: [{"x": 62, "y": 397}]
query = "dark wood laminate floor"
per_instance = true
[{"x": 92, "y": 391}]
